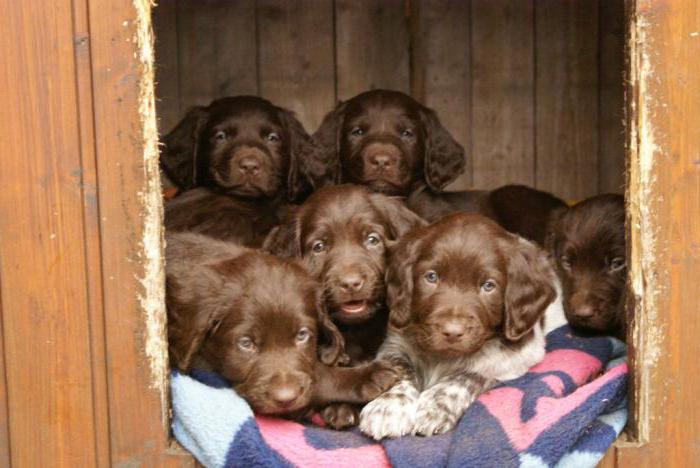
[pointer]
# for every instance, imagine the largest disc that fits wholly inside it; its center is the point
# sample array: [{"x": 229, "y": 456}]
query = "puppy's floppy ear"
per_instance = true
[
  {"x": 399, "y": 280},
  {"x": 179, "y": 153},
  {"x": 284, "y": 239},
  {"x": 331, "y": 345},
  {"x": 550, "y": 239},
  {"x": 321, "y": 160},
  {"x": 394, "y": 210},
  {"x": 300, "y": 145},
  {"x": 444, "y": 157},
  {"x": 530, "y": 288}
]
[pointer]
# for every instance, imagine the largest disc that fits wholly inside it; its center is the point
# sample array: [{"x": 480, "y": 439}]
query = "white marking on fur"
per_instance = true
[{"x": 392, "y": 414}]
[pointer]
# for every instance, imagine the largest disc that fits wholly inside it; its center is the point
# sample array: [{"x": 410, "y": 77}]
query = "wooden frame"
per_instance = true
[{"x": 83, "y": 367}]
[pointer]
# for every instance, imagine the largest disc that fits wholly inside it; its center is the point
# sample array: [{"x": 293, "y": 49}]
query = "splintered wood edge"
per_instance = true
[{"x": 152, "y": 298}]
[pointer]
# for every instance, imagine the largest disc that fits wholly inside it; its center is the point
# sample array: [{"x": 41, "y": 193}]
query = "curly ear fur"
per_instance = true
[
  {"x": 331, "y": 346},
  {"x": 321, "y": 159},
  {"x": 394, "y": 210},
  {"x": 399, "y": 280},
  {"x": 530, "y": 288},
  {"x": 298, "y": 179},
  {"x": 550, "y": 239},
  {"x": 179, "y": 152},
  {"x": 284, "y": 240},
  {"x": 444, "y": 157}
]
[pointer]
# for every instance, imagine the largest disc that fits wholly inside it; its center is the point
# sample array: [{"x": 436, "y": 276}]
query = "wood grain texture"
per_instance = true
[
  {"x": 664, "y": 200},
  {"x": 167, "y": 70},
  {"x": 217, "y": 55},
  {"x": 440, "y": 76},
  {"x": 611, "y": 155},
  {"x": 5, "y": 456},
  {"x": 372, "y": 46},
  {"x": 567, "y": 97},
  {"x": 296, "y": 57},
  {"x": 45, "y": 325},
  {"x": 503, "y": 81}
]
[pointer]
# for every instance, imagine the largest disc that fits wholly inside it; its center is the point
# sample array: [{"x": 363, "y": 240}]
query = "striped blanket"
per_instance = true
[{"x": 566, "y": 411}]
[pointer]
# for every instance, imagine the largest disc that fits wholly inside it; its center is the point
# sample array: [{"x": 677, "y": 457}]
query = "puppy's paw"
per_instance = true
[
  {"x": 392, "y": 414},
  {"x": 380, "y": 377},
  {"x": 340, "y": 415},
  {"x": 434, "y": 415}
]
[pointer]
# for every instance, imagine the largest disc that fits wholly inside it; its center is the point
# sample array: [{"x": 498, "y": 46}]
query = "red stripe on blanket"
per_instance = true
[{"x": 287, "y": 438}]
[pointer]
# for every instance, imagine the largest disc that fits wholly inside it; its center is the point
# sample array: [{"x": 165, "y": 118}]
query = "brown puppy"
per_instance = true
[
  {"x": 244, "y": 154},
  {"x": 587, "y": 242},
  {"x": 519, "y": 209},
  {"x": 343, "y": 234},
  {"x": 468, "y": 302},
  {"x": 389, "y": 142},
  {"x": 259, "y": 320}
]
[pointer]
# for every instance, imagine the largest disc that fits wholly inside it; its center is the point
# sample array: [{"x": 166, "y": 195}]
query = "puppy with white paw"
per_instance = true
[{"x": 470, "y": 306}]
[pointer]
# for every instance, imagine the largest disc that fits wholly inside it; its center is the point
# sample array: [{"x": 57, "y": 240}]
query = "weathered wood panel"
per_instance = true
[
  {"x": 441, "y": 76},
  {"x": 46, "y": 334},
  {"x": 168, "y": 69},
  {"x": 566, "y": 113},
  {"x": 296, "y": 57},
  {"x": 5, "y": 456},
  {"x": 372, "y": 46},
  {"x": 664, "y": 201},
  {"x": 503, "y": 92}
]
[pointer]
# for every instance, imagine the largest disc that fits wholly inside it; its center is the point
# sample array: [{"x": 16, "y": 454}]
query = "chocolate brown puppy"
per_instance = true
[
  {"x": 587, "y": 243},
  {"x": 260, "y": 322},
  {"x": 387, "y": 141}
]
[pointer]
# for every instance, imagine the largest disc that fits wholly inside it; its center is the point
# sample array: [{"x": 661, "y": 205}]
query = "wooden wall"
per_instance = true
[{"x": 532, "y": 88}]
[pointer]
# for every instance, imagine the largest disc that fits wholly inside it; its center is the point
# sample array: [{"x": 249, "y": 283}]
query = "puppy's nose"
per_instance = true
[
  {"x": 351, "y": 282},
  {"x": 453, "y": 330},
  {"x": 381, "y": 160},
  {"x": 585, "y": 311},
  {"x": 249, "y": 165},
  {"x": 285, "y": 395}
]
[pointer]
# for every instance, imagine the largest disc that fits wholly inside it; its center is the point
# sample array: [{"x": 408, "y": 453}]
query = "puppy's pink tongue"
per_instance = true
[{"x": 354, "y": 307}]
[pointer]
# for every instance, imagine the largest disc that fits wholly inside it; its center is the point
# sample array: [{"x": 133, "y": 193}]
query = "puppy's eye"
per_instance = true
[
  {"x": 407, "y": 133},
  {"x": 220, "y": 136},
  {"x": 357, "y": 131},
  {"x": 246, "y": 344},
  {"x": 488, "y": 286},
  {"x": 272, "y": 137},
  {"x": 431, "y": 276},
  {"x": 303, "y": 335},
  {"x": 617, "y": 263},
  {"x": 373, "y": 239},
  {"x": 318, "y": 246},
  {"x": 565, "y": 262}
]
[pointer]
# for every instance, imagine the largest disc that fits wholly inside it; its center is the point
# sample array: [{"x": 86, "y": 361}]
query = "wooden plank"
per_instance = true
[
  {"x": 609, "y": 459},
  {"x": 296, "y": 57},
  {"x": 216, "y": 42},
  {"x": 611, "y": 156},
  {"x": 167, "y": 66},
  {"x": 131, "y": 233},
  {"x": 566, "y": 117},
  {"x": 503, "y": 80},
  {"x": 42, "y": 255},
  {"x": 5, "y": 456},
  {"x": 440, "y": 75},
  {"x": 372, "y": 46},
  {"x": 664, "y": 198}
]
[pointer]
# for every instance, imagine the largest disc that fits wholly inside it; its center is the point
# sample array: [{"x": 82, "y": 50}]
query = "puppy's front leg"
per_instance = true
[
  {"x": 440, "y": 406},
  {"x": 358, "y": 384}
]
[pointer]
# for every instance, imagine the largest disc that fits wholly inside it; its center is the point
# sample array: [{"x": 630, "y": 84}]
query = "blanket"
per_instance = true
[{"x": 565, "y": 412}]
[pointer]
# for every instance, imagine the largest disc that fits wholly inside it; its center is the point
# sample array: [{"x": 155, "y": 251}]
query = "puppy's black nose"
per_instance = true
[
  {"x": 382, "y": 161},
  {"x": 249, "y": 165},
  {"x": 453, "y": 330},
  {"x": 285, "y": 395},
  {"x": 585, "y": 311},
  {"x": 351, "y": 282}
]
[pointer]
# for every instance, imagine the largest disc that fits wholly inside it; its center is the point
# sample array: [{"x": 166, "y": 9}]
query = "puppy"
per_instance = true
[
  {"x": 343, "y": 234},
  {"x": 519, "y": 209},
  {"x": 258, "y": 321},
  {"x": 587, "y": 243},
  {"x": 387, "y": 141},
  {"x": 243, "y": 155},
  {"x": 468, "y": 303}
]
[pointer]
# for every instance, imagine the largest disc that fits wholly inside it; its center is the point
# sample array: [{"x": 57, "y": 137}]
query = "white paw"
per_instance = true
[
  {"x": 435, "y": 415},
  {"x": 392, "y": 414}
]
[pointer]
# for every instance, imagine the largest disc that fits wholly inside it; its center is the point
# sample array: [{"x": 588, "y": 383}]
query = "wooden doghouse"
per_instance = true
[{"x": 536, "y": 90}]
